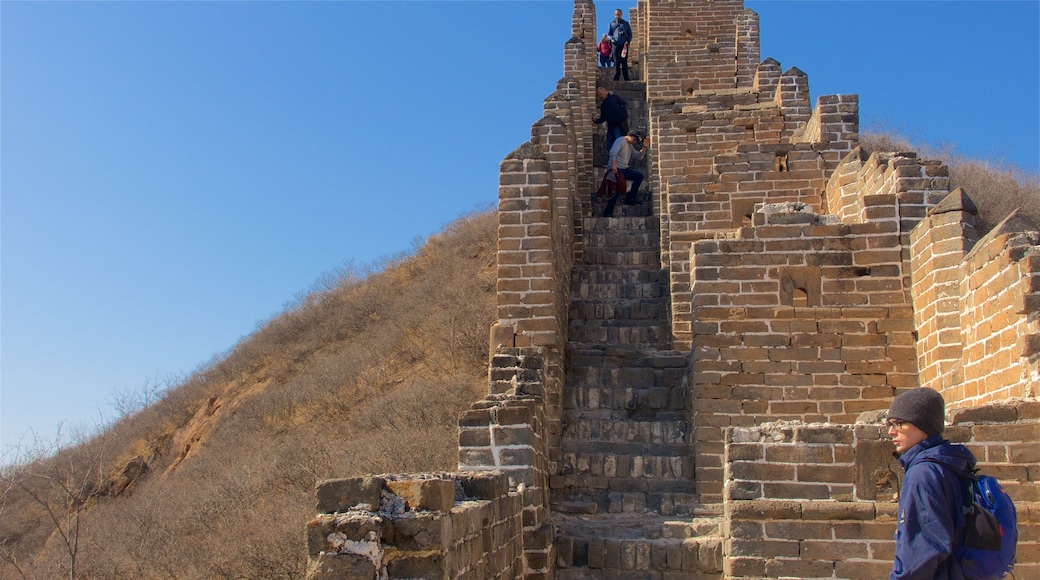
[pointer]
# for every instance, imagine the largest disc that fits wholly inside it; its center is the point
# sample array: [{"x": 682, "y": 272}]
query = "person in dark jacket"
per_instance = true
[
  {"x": 620, "y": 32},
  {"x": 930, "y": 523},
  {"x": 613, "y": 110}
]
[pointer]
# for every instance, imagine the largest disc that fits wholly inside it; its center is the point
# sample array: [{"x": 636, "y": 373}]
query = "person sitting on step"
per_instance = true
[{"x": 623, "y": 155}]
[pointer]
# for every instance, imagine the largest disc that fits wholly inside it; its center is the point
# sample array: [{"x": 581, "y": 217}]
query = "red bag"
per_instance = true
[{"x": 610, "y": 188}]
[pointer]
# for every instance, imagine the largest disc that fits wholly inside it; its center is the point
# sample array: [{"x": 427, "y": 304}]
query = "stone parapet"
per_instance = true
[
  {"x": 819, "y": 500},
  {"x": 895, "y": 187},
  {"x": 515, "y": 430},
  {"x": 1000, "y": 313},
  {"x": 445, "y": 526}
]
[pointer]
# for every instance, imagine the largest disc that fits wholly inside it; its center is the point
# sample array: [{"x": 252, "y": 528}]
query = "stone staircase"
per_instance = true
[
  {"x": 643, "y": 548},
  {"x": 624, "y": 503}
]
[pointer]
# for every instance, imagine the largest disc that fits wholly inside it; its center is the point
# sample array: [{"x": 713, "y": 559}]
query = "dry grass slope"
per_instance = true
[{"x": 365, "y": 374}]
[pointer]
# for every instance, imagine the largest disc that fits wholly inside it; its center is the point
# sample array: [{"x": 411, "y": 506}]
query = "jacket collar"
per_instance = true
[{"x": 911, "y": 454}]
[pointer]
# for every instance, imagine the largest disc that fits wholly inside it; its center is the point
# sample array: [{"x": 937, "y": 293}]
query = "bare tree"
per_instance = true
[
  {"x": 56, "y": 479},
  {"x": 128, "y": 401}
]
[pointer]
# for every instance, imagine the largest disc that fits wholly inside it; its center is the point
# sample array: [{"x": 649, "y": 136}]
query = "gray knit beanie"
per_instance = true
[{"x": 923, "y": 407}]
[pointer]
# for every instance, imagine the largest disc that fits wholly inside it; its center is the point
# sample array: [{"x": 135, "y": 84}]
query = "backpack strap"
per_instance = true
[{"x": 966, "y": 477}]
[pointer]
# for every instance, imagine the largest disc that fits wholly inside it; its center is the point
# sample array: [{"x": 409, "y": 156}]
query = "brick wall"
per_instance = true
[
  {"x": 999, "y": 308},
  {"x": 886, "y": 187},
  {"x": 719, "y": 153},
  {"x": 937, "y": 249},
  {"x": 696, "y": 45},
  {"x": 451, "y": 525},
  {"x": 512, "y": 431},
  {"x": 818, "y": 500},
  {"x": 796, "y": 319},
  {"x": 976, "y": 304}
]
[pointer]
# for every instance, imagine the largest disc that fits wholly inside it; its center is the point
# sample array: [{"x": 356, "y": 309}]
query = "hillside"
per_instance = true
[{"x": 215, "y": 480}]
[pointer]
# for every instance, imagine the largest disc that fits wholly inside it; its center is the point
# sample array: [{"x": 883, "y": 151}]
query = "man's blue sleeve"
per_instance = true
[{"x": 926, "y": 527}]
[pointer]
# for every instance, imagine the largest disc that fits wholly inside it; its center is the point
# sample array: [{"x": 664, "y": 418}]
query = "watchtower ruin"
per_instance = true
[{"x": 693, "y": 389}]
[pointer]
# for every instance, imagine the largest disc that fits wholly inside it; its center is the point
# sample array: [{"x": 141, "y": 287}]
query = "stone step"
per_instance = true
[
  {"x": 627, "y": 257},
  {"x": 623, "y": 239},
  {"x": 616, "y": 357},
  {"x": 596, "y": 373},
  {"x": 703, "y": 521},
  {"x": 619, "y": 291},
  {"x": 629, "y": 224},
  {"x": 619, "y": 368},
  {"x": 595, "y": 275},
  {"x": 642, "y": 209},
  {"x": 652, "y": 549},
  {"x": 605, "y": 376},
  {"x": 654, "y": 309},
  {"x": 604, "y": 235},
  {"x": 645, "y": 459},
  {"x": 621, "y": 332},
  {"x": 632, "y": 401},
  {"x": 628, "y": 461},
  {"x": 603, "y": 428},
  {"x": 622, "y": 496},
  {"x": 614, "y": 231}
]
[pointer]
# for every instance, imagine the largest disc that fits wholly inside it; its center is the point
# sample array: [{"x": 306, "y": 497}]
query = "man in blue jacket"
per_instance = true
[
  {"x": 621, "y": 32},
  {"x": 931, "y": 523}
]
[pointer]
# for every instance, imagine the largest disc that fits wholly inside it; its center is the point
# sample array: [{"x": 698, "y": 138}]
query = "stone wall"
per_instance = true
[
  {"x": 720, "y": 153},
  {"x": 529, "y": 311},
  {"x": 796, "y": 320},
  {"x": 452, "y": 525},
  {"x": 818, "y": 500},
  {"x": 696, "y": 46},
  {"x": 976, "y": 305},
  {"x": 999, "y": 307},
  {"x": 509, "y": 432}
]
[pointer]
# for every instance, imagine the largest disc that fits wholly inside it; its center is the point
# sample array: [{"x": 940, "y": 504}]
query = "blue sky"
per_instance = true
[{"x": 173, "y": 174}]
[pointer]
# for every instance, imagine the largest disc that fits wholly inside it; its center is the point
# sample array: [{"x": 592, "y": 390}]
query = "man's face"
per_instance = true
[
  {"x": 617, "y": 15},
  {"x": 601, "y": 93},
  {"x": 904, "y": 435}
]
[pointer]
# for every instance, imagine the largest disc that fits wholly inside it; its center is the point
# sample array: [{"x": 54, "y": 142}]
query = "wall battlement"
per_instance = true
[{"x": 695, "y": 388}]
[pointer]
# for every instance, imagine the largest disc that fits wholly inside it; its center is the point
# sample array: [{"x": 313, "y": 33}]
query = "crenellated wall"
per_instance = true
[{"x": 937, "y": 253}]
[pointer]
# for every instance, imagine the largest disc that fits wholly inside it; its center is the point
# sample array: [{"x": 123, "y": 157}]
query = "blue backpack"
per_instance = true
[{"x": 988, "y": 552}]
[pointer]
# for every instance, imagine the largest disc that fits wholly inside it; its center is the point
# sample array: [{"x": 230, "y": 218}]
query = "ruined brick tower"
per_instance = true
[{"x": 692, "y": 389}]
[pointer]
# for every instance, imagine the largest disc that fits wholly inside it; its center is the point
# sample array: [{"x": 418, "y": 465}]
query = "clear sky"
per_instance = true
[{"x": 173, "y": 174}]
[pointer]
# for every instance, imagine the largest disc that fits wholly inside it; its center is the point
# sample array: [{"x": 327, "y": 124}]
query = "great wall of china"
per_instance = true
[{"x": 693, "y": 389}]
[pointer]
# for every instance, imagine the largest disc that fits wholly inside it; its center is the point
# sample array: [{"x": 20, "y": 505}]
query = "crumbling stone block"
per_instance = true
[
  {"x": 335, "y": 495},
  {"x": 427, "y": 494}
]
